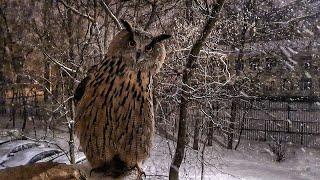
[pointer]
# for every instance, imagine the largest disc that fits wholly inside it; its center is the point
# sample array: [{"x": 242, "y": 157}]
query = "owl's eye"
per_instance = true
[
  {"x": 148, "y": 48},
  {"x": 131, "y": 44}
]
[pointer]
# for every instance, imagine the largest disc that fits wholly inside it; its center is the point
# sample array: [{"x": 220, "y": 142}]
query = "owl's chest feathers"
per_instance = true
[{"x": 115, "y": 83}]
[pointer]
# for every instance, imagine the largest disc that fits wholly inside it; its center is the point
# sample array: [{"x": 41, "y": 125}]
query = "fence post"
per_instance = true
[
  {"x": 13, "y": 108},
  {"x": 210, "y": 133},
  {"x": 265, "y": 130},
  {"x": 301, "y": 135},
  {"x": 288, "y": 109}
]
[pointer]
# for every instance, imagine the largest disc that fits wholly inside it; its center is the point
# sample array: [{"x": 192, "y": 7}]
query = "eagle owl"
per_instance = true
[{"x": 114, "y": 109}]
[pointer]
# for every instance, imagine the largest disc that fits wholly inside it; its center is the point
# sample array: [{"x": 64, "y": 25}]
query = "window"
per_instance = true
[
  {"x": 270, "y": 64},
  {"x": 254, "y": 64},
  {"x": 269, "y": 87},
  {"x": 307, "y": 65},
  {"x": 17, "y": 62},
  {"x": 239, "y": 65},
  {"x": 306, "y": 84},
  {"x": 287, "y": 85}
]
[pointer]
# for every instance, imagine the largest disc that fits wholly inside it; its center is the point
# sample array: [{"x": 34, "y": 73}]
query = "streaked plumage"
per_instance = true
[{"x": 114, "y": 110}]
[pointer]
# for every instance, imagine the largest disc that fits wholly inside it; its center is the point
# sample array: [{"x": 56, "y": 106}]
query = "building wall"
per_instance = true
[{"x": 278, "y": 75}]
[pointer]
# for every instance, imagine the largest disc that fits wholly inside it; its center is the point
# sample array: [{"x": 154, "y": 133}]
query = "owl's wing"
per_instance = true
[
  {"x": 82, "y": 85},
  {"x": 80, "y": 90}
]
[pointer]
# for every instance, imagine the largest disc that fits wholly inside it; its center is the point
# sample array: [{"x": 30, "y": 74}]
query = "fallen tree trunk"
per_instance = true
[
  {"x": 41, "y": 171},
  {"x": 57, "y": 171}
]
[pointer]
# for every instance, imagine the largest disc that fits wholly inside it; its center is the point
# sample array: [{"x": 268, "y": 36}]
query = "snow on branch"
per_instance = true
[
  {"x": 300, "y": 18},
  {"x": 78, "y": 12},
  {"x": 59, "y": 63}
]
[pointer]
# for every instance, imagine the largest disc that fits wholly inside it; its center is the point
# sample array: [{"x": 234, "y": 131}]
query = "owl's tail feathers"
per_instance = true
[
  {"x": 118, "y": 167},
  {"x": 114, "y": 168}
]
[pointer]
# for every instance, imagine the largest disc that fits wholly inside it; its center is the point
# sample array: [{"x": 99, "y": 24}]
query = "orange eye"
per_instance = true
[
  {"x": 148, "y": 48},
  {"x": 131, "y": 43}
]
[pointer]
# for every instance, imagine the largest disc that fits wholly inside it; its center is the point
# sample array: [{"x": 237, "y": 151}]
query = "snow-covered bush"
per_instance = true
[{"x": 279, "y": 149}]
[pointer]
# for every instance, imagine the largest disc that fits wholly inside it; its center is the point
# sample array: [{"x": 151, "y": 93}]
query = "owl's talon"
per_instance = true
[
  {"x": 143, "y": 174},
  {"x": 140, "y": 173},
  {"x": 94, "y": 170}
]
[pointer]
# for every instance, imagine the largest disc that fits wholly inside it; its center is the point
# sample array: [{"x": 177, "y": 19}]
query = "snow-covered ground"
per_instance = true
[{"x": 251, "y": 161}]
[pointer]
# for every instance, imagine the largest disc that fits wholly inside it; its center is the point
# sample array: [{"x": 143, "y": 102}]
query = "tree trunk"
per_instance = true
[
  {"x": 187, "y": 75},
  {"x": 13, "y": 108},
  {"x": 47, "y": 65},
  {"x": 210, "y": 133},
  {"x": 71, "y": 143},
  {"x": 179, "y": 154},
  {"x": 196, "y": 133},
  {"x": 24, "y": 112},
  {"x": 70, "y": 88},
  {"x": 232, "y": 123},
  {"x": 211, "y": 125},
  {"x": 47, "y": 84}
]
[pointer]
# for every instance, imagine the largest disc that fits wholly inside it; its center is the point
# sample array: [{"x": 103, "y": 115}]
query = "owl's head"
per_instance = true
[{"x": 139, "y": 49}]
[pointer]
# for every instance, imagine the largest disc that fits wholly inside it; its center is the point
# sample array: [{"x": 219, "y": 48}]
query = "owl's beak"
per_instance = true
[{"x": 139, "y": 56}]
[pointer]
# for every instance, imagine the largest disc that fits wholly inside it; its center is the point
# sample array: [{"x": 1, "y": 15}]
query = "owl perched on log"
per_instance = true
[{"x": 114, "y": 107}]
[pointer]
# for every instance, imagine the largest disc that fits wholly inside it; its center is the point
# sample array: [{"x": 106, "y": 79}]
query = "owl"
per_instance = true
[{"x": 114, "y": 107}]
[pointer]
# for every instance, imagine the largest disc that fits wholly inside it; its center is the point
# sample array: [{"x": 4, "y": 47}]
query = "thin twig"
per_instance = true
[
  {"x": 108, "y": 10},
  {"x": 297, "y": 19},
  {"x": 67, "y": 69},
  {"x": 78, "y": 12}
]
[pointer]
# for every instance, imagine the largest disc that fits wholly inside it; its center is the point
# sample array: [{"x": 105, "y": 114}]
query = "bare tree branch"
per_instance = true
[
  {"x": 59, "y": 63},
  {"x": 108, "y": 10},
  {"x": 78, "y": 12},
  {"x": 297, "y": 19},
  {"x": 201, "y": 8},
  {"x": 152, "y": 15}
]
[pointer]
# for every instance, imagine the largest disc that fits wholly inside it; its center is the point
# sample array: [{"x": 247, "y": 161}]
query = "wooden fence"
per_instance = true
[
  {"x": 292, "y": 122},
  {"x": 294, "y": 132}
]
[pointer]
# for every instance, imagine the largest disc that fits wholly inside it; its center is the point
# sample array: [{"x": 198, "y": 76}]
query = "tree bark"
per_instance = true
[
  {"x": 152, "y": 16},
  {"x": 232, "y": 123},
  {"x": 211, "y": 124},
  {"x": 70, "y": 88},
  {"x": 47, "y": 170},
  {"x": 196, "y": 132},
  {"x": 210, "y": 133},
  {"x": 187, "y": 75},
  {"x": 47, "y": 64}
]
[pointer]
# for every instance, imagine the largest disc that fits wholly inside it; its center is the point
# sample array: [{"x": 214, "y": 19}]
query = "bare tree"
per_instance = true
[{"x": 187, "y": 74}]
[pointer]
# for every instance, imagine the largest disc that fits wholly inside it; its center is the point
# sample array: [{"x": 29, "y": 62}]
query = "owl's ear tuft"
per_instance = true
[
  {"x": 126, "y": 25},
  {"x": 162, "y": 37},
  {"x": 159, "y": 38}
]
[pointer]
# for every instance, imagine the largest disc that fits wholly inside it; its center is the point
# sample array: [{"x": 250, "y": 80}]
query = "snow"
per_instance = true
[
  {"x": 308, "y": 32},
  {"x": 7, "y": 149},
  {"x": 292, "y": 51},
  {"x": 251, "y": 161},
  {"x": 285, "y": 52},
  {"x": 293, "y": 61},
  {"x": 308, "y": 75},
  {"x": 289, "y": 65},
  {"x": 24, "y": 157}
]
